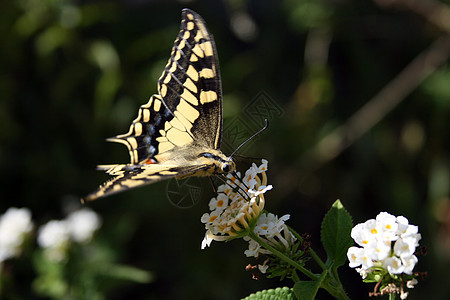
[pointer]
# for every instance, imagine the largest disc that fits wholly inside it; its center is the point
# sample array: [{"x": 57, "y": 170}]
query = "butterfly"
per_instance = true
[{"x": 179, "y": 131}]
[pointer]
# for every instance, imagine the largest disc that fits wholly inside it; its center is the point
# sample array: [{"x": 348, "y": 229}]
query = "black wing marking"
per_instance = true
[{"x": 141, "y": 139}]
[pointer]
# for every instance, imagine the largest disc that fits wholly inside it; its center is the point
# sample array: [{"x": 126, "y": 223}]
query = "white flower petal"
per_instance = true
[
  {"x": 354, "y": 255},
  {"x": 393, "y": 265},
  {"x": 82, "y": 224},
  {"x": 409, "y": 263},
  {"x": 15, "y": 224}
]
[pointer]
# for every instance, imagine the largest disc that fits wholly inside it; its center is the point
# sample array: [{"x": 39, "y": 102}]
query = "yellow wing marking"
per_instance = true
[
  {"x": 207, "y": 73},
  {"x": 190, "y": 113},
  {"x": 146, "y": 115},
  {"x": 157, "y": 105},
  {"x": 187, "y": 95},
  {"x": 208, "y": 96},
  {"x": 192, "y": 73}
]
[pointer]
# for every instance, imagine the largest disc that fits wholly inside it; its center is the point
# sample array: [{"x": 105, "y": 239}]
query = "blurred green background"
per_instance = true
[{"x": 73, "y": 73}]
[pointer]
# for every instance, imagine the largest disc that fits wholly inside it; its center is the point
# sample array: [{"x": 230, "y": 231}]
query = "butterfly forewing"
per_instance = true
[{"x": 190, "y": 84}]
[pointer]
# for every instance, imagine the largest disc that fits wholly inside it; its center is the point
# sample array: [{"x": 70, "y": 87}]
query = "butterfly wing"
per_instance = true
[
  {"x": 189, "y": 105},
  {"x": 131, "y": 176},
  {"x": 190, "y": 84}
]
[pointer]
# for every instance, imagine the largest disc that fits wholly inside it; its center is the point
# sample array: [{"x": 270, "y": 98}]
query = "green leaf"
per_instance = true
[
  {"x": 125, "y": 272},
  {"x": 306, "y": 290},
  {"x": 335, "y": 233},
  {"x": 283, "y": 293}
]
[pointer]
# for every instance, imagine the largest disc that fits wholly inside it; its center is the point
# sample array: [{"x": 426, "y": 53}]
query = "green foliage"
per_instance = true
[
  {"x": 306, "y": 290},
  {"x": 283, "y": 293},
  {"x": 83, "y": 274},
  {"x": 335, "y": 234},
  {"x": 438, "y": 88}
]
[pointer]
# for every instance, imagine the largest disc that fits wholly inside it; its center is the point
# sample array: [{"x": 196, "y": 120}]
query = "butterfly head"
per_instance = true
[
  {"x": 228, "y": 166},
  {"x": 223, "y": 164}
]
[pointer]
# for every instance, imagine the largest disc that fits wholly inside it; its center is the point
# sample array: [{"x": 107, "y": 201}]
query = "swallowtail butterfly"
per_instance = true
[{"x": 179, "y": 131}]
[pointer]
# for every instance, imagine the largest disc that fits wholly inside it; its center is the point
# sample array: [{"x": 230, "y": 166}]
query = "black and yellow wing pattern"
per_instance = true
[{"x": 178, "y": 132}]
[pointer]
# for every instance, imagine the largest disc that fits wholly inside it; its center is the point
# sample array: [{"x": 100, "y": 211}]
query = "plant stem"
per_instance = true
[
  {"x": 283, "y": 257},
  {"x": 295, "y": 276},
  {"x": 339, "y": 288},
  {"x": 317, "y": 258}
]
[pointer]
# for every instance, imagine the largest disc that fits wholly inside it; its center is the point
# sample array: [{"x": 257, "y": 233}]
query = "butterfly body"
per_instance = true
[{"x": 177, "y": 132}]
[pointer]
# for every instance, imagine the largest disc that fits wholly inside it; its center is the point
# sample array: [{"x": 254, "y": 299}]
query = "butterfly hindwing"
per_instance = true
[
  {"x": 142, "y": 138},
  {"x": 131, "y": 176}
]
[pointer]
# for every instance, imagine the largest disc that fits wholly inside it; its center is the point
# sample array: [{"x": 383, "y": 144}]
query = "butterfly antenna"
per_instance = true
[
  {"x": 250, "y": 138},
  {"x": 247, "y": 158}
]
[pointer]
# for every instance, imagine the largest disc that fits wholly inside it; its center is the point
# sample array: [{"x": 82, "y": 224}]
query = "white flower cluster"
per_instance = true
[
  {"x": 270, "y": 227},
  {"x": 388, "y": 242},
  {"x": 236, "y": 204},
  {"x": 15, "y": 224},
  {"x": 56, "y": 235}
]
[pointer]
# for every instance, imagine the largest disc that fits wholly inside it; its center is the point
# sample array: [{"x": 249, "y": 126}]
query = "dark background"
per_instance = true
[{"x": 74, "y": 73}]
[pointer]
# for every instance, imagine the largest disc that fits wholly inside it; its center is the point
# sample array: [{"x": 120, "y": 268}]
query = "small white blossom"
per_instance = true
[
  {"x": 219, "y": 203},
  {"x": 260, "y": 190},
  {"x": 269, "y": 224},
  {"x": 403, "y": 224},
  {"x": 82, "y": 224},
  {"x": 265, "y": 224},
  {"x": 411, "y": 283},
  {"x": 362, "y": 235},
  {"x": 389, "y": 226},
  {"x": 250, "y": 178},
  {"x": 263, "y": 167},
  {"x": 393, "y": 265},
  {"x": 253, "y": 248},
  {"x": 403, "y": 295},
  {"x": 354, "y": 255},
  {"x": 54, "y": 237},
  {"x": 373, "y": 229},
  {"x": 363, "y": 272},
  {"x": 409, "y": 263},
  {"x": 263, "y": 268},
  {"x": 378, "y": 250},
  {"x": 15, "y": 224},
  {"x": 404, "y": 247},
  {"x": 206, "y": 240},
  {"x": 359, "y": 257}
]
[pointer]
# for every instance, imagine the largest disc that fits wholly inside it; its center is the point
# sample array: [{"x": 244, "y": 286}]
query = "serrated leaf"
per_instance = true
[
  {"x": 306, "y": 290},
  {"x": 272, "y": 294},
  {"x": 335, "y": 233}
]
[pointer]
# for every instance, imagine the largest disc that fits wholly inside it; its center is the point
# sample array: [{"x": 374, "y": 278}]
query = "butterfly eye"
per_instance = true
[{"x": 226, "y": 168}]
